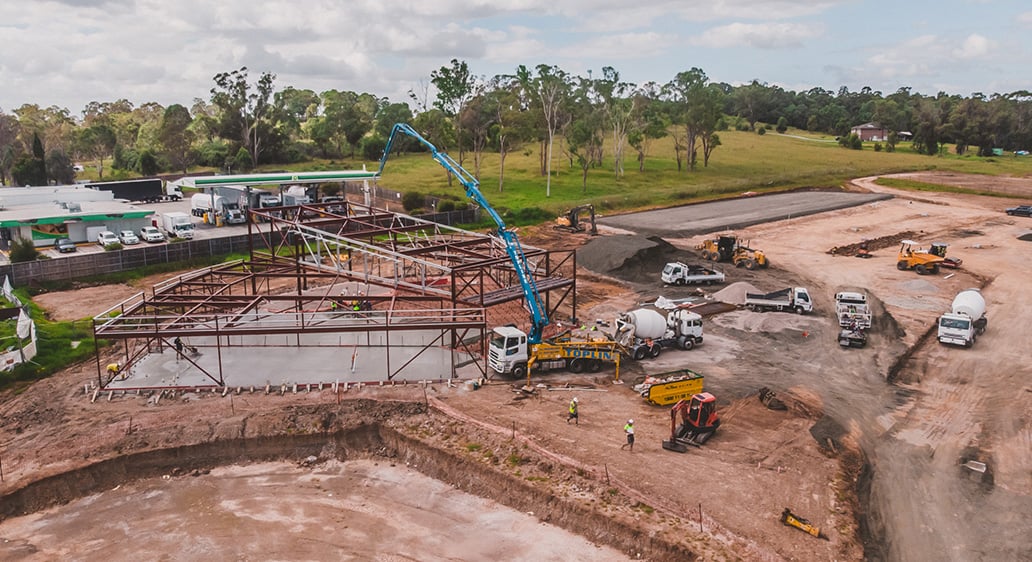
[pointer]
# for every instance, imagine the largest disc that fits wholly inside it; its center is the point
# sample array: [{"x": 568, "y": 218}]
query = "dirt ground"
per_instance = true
[
  {"x": 871, "y": 449},
  {"x": 336, "y": 511}
]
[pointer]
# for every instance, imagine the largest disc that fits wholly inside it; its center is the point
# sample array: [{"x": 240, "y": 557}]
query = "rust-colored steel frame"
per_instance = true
[{"x": 418, "y": 275}]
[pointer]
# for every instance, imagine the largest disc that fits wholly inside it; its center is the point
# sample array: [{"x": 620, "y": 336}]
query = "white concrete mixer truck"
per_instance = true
[
  {"x": 645, "y": 332},
  {"x": 965, "y": 320}
]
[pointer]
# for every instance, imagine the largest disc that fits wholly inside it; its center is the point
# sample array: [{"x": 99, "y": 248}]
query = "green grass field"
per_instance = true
[{"x": 744, "y": 162}]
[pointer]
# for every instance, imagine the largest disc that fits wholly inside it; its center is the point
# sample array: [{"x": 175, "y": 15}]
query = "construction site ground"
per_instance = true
[{"x": 874, "y": 447}]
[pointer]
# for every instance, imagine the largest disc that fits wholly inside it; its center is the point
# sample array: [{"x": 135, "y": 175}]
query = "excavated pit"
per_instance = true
[{"x": 374, "y": 440}]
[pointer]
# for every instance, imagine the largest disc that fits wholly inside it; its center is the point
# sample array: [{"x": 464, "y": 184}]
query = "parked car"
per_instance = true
[
  {"x": 151, "y": 234},
  {"x": 128, "y": 238},
  {"x": 107, "y": 238},
  {"x": 1020, "y": 211},
  {"x": 64, "y": 245}
]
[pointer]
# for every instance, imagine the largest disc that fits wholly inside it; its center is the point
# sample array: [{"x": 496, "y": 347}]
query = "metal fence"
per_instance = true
[{"x": 85, "y": 265}]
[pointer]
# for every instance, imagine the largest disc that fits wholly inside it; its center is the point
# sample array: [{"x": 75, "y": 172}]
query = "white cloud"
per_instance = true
[
  {"x": 758, "y": 35},
  {"x": 975, "y": 46}
]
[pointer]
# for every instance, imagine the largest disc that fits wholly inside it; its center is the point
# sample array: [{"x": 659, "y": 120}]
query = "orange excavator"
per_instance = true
[{"x": 699, "y": 421}]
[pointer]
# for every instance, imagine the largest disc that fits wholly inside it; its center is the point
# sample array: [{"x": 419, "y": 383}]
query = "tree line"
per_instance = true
[{"x": 242, "y": 123}]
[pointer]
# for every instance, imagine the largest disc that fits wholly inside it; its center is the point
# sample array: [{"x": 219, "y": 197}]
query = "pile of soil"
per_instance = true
[
  {"x": 873, "y": 244},
  {"x": 735, "y": 293},
  {"x": 637, "y": 259}
]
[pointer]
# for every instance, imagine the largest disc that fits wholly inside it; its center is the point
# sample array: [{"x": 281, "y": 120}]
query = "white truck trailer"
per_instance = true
[
  {"x": 645, "y": 332},
  {"x": 791, "y": 299},
  {"x": 677, "y": 273},
  {"x": 852, "y": 310},
  {"x": 177, "y": 225},
  {"x": 965, "y": 321}
]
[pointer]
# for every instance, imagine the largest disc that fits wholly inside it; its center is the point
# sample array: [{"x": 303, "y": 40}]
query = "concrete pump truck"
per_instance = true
[{"x": 511, "y": 351}]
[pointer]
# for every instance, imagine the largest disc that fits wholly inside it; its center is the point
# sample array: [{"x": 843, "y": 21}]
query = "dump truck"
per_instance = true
[
  {"x": 177, "y": 225},
  {"x": 912, "y": 257},
  {"x": 671, "y": 387},
  {"x": 852, "y": 310},
  {"x": 677, "y": 273},
  {"x": 510, "y": 354},
  {"x": 645, "y": 332},
  {"x": 965, "y": 321},
  {"x": 791, "y": 299}
]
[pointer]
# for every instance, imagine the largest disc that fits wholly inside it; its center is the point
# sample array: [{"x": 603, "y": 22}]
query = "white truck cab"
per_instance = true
[{"x": 508, "y": 349}]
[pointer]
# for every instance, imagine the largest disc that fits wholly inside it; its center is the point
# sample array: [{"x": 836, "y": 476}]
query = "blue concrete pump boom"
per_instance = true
[{"x": 538, "y": 315}]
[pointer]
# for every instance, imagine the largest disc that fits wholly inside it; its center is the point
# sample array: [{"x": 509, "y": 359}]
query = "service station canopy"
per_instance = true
[{"x": 244, "y": 180}]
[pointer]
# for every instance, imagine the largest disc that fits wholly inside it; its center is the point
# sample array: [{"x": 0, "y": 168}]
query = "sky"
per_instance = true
[{"x": 67, "y": 53}]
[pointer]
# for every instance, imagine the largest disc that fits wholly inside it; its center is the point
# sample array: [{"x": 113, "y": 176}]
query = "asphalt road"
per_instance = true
[{"x": 689, "y": 220}]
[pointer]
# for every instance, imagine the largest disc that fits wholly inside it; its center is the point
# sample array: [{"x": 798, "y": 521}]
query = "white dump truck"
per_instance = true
[
  {"x": 965, "y": 320},
  {"x": 645, "y": 332},
  {"x": 177, "y": 225},
  {"x": 852, "y": 310},
  {"x": 791, "y": 299},
  {"x": 677, "y": 273}
]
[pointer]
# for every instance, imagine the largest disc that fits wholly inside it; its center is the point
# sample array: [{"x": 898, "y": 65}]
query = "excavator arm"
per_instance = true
[{"x": 538, "y": 314}]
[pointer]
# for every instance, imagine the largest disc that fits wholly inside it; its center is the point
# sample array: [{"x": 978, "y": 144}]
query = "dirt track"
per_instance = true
[{"x": 944, "y": 405}]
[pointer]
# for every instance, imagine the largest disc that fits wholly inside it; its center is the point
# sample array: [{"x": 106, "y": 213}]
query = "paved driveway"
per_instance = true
[{"x": 689, "y": 220}]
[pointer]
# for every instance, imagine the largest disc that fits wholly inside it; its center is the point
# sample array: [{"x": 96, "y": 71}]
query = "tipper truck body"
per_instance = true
[
  {"x": 792, "y": 299},
  {"x": 966, "y": 319},
  {"x": 677, "y": 273}
]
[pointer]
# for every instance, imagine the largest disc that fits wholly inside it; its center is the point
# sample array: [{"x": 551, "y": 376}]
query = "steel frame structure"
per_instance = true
[{"x": 415, "y": 274}]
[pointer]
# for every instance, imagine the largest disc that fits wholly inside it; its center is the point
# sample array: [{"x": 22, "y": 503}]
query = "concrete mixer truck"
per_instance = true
[
  {"x": 645, "y": 332},
  {"x": 965, "y": 320}
]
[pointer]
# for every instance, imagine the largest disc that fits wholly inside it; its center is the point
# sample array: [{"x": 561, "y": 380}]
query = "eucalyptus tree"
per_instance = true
[
  {"x": 650, "y": 120},
  {"x": 692, "y": 105},
  {"x": 513, "y": 120},
  {"x": 619, "y": 110},
  {"x": 456, "y": 86},
  {"x": 243, "y": 108},
  {"x": 584, "y": 131},
  {"x": 176, "y": 137},
  {"x": 550, "y": 90},
  {"x": 477, "y": 119}
]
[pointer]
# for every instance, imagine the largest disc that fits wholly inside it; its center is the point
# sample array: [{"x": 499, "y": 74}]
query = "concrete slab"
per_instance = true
[
  {"x": 276, "y": 360},
  {"x": 689, "y": 220}
]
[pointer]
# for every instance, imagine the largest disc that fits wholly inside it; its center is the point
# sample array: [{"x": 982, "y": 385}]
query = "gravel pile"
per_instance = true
[
  {"x": 735, "y": 293},
  {"x": 635, "y": 258}
]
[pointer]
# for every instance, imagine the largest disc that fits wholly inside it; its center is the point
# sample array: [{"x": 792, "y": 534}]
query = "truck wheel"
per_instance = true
[
  {"x": 688, "y": 344},
  {"x": 902, "y": 265},
  {"x": 678, "y": 282},
  {"x": 576, "y": 366},
  {"x": 594, "y": 365},
  {"x": 639, "y": 353},
  {"x": 921, "y": 269},
  {"x": 935, "y": 268},
  {"x": 519, "y": 371},
  {"x": 655, "y": 350},
  {"x": 750, "y": 264},
  {"x": 798, "y": 310}
]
